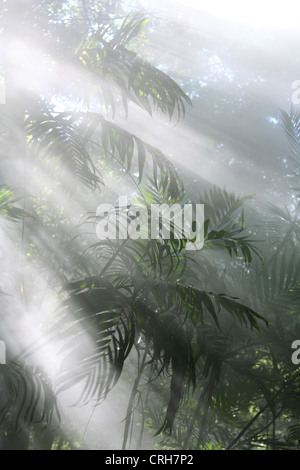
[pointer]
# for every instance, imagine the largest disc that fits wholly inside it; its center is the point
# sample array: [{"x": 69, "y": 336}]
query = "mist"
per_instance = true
[{"x": 142, "y": 344}]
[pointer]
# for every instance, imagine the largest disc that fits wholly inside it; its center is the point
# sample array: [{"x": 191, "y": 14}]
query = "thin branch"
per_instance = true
[
  {"x": 258, "y": 414},
  {"x": 132, "y": 398}
]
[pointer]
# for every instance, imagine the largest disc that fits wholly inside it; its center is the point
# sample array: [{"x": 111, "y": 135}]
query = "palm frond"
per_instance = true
[
  {"x": 291, "y": 125},
  {"x": 26, "y": 397},
  {"x": 8, "y": 207},
  {"x": 110, "y": 321},
  {"x": 113, "y": 66},
  {"x": 221, "y": 207},
  {"x": 197, "y": 303},
  {"x": 122, "y": 145},
  {"x": 65, "y": 136},
  {"x": 224, "y": 223},
  {"x": 54, "y": 136},
  {"x": 97, "y": 333},
  {"x": 278, "y": 287}
]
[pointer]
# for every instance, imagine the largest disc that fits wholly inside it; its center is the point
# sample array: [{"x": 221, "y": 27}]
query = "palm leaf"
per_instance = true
[
  {"x": 114, "y": 66},
  {"x": 56, "y": 136},
  {"x": 26, "y": 397}
]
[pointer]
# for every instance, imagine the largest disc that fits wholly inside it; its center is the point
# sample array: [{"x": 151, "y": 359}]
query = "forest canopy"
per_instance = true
[{"x": 187, "y": 340}]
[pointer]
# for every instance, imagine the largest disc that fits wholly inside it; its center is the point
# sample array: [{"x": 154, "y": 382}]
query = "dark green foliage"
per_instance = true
[
  {"x": 211, "y": 329},
  {"x": 27, "y": 398}
]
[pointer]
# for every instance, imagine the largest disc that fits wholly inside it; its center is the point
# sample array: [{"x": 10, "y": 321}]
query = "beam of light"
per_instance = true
[
  {"x": 2, "y": 353},
  {"x": 192, "y": 148}
]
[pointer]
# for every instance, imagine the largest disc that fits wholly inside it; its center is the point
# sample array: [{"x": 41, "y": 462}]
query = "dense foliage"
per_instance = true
[{"x": 202, "y": 338}]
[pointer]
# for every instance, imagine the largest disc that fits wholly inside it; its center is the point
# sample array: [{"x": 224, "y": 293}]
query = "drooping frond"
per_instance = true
[
  {"x": 198, "y": 303},
  {"x": 98, "y": 333},
  {"x": 127, "y": 148},
  {"x": 26, "y": 397},
  {"x": 221, "y": 207},
  {"x": 112, "y": 67},
  {"x": 66, "y": 137},
  {"x": 291, "y": 125},
  {"x": 8, "y": 207},
  {"x": 56, "y": 136},
  {"x": 279, "y": 288},
  {"x": 224, "y": 224},
  {"x": 98, "y": 328},
  {"x": 283, "y": 228}
]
